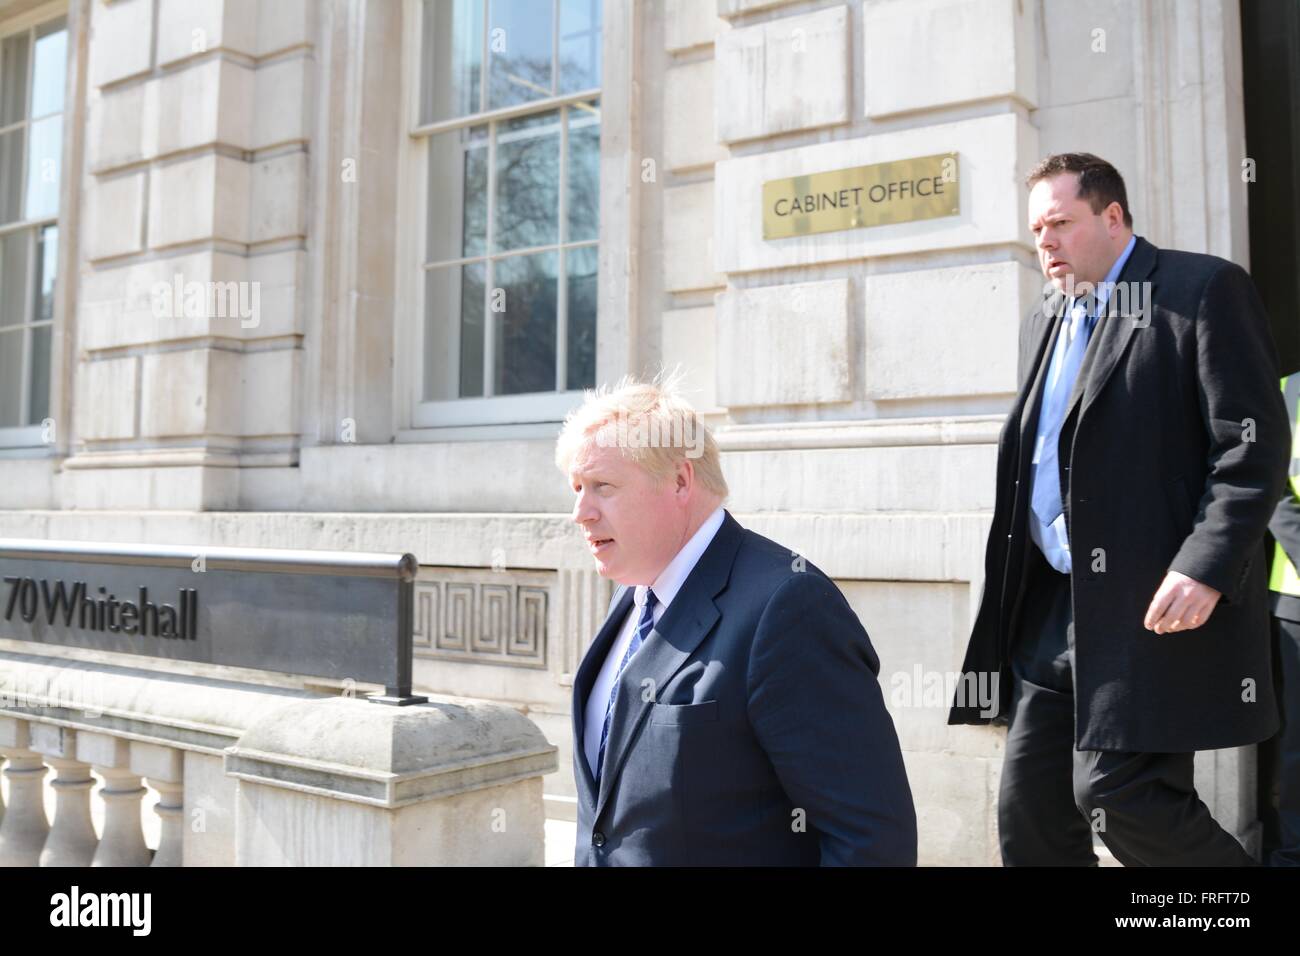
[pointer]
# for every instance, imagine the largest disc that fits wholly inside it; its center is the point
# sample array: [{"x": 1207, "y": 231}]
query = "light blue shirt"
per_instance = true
[{"x": 1052, "y": 539}]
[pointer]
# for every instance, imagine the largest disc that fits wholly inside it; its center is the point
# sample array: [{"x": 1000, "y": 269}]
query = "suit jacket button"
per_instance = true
[{"x": 598, "y": 839}]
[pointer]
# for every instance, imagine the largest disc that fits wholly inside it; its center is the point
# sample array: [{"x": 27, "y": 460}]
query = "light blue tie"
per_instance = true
[
  {"x": 1047, "y": 479},
  {"x": 643, "y": 628}
]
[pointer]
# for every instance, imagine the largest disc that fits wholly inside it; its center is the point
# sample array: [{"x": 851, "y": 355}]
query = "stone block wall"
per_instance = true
[
  {"x": 189, "y": 318},
  {"x": 857, "y": 380}
]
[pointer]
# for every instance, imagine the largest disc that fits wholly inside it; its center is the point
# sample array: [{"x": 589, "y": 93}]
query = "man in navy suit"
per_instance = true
[{"x": 727, "y": 713}]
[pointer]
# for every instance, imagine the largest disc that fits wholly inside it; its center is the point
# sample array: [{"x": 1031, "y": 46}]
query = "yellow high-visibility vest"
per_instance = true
[{"x": 1284, "y": 579}]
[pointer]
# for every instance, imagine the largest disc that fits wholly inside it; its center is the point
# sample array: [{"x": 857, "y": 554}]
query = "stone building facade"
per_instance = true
[{"x": 328, "y": 273}]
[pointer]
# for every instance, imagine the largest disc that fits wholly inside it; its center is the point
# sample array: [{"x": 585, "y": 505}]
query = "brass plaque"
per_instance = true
[{"x": 900, "y": 191}]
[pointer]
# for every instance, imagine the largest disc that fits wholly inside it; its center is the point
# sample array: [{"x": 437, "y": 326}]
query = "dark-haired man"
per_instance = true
[{"x": 1125, "y": 607}]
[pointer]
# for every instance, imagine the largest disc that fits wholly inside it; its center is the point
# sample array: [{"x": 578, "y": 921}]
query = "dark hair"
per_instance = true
[{"x": 1099, "y": 182}]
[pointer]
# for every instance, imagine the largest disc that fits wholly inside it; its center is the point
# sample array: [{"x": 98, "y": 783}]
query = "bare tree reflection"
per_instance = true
[{"x": 526, "y": 329}]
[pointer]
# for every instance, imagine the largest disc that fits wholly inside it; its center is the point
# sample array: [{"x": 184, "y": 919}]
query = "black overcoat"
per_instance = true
[{"x": 1173, "y": 456}]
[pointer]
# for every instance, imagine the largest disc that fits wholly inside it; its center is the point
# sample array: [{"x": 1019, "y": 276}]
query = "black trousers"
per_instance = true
[
  {"x": 1053, "y": 797},
  {"x": 1283, "y": 750}
]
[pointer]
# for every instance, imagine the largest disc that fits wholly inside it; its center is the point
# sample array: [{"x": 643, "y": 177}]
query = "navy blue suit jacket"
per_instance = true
[{"x": 748, "y": 729}]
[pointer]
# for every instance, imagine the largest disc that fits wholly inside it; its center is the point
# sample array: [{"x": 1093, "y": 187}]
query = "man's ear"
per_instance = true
[
  {"x": 1115, "y": 217},
  {"x": 685, "y": 475}
]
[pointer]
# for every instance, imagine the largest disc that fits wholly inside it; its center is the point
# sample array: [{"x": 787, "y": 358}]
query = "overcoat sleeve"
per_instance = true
[{"x": 1246, "y": 425}]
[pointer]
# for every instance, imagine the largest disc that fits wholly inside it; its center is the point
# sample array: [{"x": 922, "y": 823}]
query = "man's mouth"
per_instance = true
[
  {"x": 598, "y": 545},
  {"x": 1055, "y": 264}
]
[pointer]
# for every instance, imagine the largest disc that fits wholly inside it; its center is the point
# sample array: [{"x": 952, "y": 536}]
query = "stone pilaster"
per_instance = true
[{"x": 192, "y": 256}]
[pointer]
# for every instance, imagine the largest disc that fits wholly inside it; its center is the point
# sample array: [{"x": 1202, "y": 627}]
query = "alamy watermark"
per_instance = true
[
  {"x": 218, "y": 300},
  {"x": 676, "y": 430},
  {"x": 921, "y": 688},
  {"x": 1129, "y": 300},
  {"x": 64, "y": 689}
]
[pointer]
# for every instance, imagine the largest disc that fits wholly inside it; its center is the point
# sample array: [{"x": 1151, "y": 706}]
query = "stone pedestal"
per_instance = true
[{"x": 347, "y": 782}]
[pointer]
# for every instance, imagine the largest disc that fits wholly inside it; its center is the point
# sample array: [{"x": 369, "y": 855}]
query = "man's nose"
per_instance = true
[{"x": 582, "y": 511}]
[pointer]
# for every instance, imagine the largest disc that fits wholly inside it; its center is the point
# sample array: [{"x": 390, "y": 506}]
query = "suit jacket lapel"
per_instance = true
[
  {"x": 586, "y": 677},
  {"x": 679, "y": 632}
]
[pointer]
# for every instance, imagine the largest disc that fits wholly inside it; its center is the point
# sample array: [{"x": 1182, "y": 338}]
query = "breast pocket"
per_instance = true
[{"x": 683, "y": 715}]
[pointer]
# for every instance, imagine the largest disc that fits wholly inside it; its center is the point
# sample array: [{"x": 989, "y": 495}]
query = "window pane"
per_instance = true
[
  {"x": 584, "y": 172},
  {"x": 473, "y": 280},
  {"x": 11, "y": 376},
  {"x": 13, "y": 278},
  {"x": 47, "y": 265},
  {"x": 453, "y": 332},
  {"x": 39, "y": 390},
  {"x": 581, "y": 267},
  {"x": 519, "y": 51},
  {"x": 528, "y": 182},
  {"x": 524, "y": 358},
  {"x": 579, "y": 45},
  {"x": 452, "y": 59},
  {"x": 13, "y": 80},
  {"x": 441, "y": 306},
  {"x": 11, "y": 174},
  {"x": 43, "y": 167},
  {"x": 458, "y": 193},
  {"x": 51, "y": 62}
]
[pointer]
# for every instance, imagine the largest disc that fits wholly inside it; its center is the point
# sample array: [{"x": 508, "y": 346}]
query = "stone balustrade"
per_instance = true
[{"x": 251, "y": 775}]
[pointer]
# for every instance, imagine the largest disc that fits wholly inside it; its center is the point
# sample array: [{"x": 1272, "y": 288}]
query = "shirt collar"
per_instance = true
[
  {"x": 672, "y": 577},
  {"x": 1103, "y": 291}
]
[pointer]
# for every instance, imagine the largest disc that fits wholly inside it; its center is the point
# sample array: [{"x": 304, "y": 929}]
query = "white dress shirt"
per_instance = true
[{"x": 665, "y": 586}]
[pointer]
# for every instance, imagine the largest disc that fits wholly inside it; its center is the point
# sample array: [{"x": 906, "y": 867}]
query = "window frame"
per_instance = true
[
  {"x": 27, "y": 439},
  {"x": 515, "y": 414}
]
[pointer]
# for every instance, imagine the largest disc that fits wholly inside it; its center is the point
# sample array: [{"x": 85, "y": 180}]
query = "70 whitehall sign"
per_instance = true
[
  {"x": 102, "y": 613},
  {"x": 903, "y": 190},
  {"x": 330, "y": 614}
]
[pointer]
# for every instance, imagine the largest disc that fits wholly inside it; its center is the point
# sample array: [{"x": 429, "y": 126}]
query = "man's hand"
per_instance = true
[{"x": 1180, "y": 604}]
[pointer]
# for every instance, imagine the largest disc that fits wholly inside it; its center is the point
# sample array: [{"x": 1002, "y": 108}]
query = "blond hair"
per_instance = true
[{"x": 651, "y": 423}]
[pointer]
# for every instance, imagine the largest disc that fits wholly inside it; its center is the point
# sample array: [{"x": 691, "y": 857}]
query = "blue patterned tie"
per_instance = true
[
  {"x": 1046, "y": 500},
  {"x": 643, "y": 628}
]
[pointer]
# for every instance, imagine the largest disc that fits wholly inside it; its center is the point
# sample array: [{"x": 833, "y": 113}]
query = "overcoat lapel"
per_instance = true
[{"x": 1115, "y": 330}]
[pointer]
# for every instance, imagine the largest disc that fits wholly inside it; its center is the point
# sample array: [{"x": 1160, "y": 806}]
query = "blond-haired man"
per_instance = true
[{"x": 727, "y": 712}]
